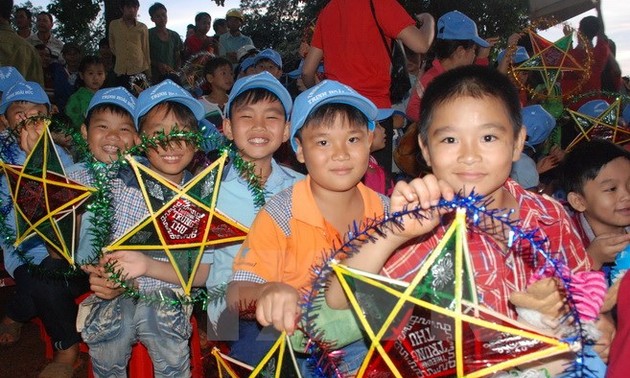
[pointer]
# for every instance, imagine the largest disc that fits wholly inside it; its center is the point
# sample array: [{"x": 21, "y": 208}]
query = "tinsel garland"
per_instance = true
[{"x": 324, "y": 360}]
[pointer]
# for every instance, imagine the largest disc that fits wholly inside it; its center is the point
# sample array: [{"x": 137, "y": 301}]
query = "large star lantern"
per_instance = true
[
  {"x": 551, "y": 59},
  {"x": 604, "y": 126},
  {"x": 182, "y": 221},
  {"x": 434, "y": 325},
  {"x": 45, "y": 200},
  {"x": 279, "y": 362}
]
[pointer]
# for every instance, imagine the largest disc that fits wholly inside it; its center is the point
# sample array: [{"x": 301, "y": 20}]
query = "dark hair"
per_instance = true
[
  {"x": 590, "y": 26},
  {"x": 156, "y": 7},
  {"x": 41, "y": 46},
  {"x": 6, "y": 7},
  {"x": 89, "y": 60},
  {"x": 115, "y": 109},
  {"x": 444, "y": 48},
  {"x": 129, "y": 3},
  {"x": 252, "y": 96},
  {"x": 71, "y": 46},
  {"x": 190, "y": 26},
  {"x": 26, "y": 11},
  {"x": 327, "y": 114},
  {"x": 584, "y": 162},
  {"x": 200, "y": 15},
  {"x": 103, "y": 42},
  {"x": 219, "y": 22},
  {"x": 469, "y": 81},
  {"x": 182, "y": 113},
  {"x": 215, "y": 63},
  {"x": 50, "y": 17}
]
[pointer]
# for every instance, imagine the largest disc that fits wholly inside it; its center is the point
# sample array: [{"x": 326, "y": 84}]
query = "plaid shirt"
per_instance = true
[{"x": 498, "y": 273}]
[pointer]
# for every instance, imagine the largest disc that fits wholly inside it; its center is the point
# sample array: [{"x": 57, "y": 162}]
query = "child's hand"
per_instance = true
[
  {"x": 484, "y": 52},
  {"x": 542, "y": 296},
  {"x": 513, "y": 39},
  {"x": 100, "y": 284},
  {"x": 607, "y": 328},
  {"x": 604, "y": 248},
  {"x": 132, "y": 263},
  {"x": 547, "y": 163},
  {"x": 30, "y": 133},
  {"x": 422, "y": 192},
  {"x": 610, "y": 300},
  {"x": 278, "y": 305}
]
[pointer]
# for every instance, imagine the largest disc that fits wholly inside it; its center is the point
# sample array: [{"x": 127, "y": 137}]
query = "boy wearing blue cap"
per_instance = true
[
  {"x": 113, "y": 326},
  {"x": 8, "y": 77},
  {"x": 331, "y": 133},
  {"x": 269, "y": 60},
  {"x": 257, "y": 114},
  {"x": 35, "y": 296},
  {"x": 456, "y": 44},
  {"x": 470, "y": 132}
]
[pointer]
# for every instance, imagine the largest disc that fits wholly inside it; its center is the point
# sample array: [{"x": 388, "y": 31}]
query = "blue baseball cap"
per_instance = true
[
  {"x": 328, "y": 92},
  {"x": 456, "y": 25},
  {"x": 118, "y": 96},
  {"x": 263, "y": 80},
  {"x": 538, "y": 124},
  {"x": 246, "y": 63},
  {"x": 520, "y": 55},
  {"x": 29, "y": 91},
  {"x": 594, "y": 108},
  {"x": 167, "y": 90},
  {"x": 8, "y": 77},
  {"x": 298, "y": 71},
  {"x": 270, "y": 54},
  {"x": 388, "y": 112}
]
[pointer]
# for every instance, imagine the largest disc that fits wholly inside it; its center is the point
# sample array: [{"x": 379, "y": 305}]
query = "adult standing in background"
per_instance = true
[
  {"x": 200, "y": 41},
  {"x": 24, "y": 22},
  {"x": 15, "y": 51},
  {"x": 44, "y": 35},
  {"x": 129, "y": 42},
  {"x": 165, "y": 45},
  {"x": 230, "y": 42}
]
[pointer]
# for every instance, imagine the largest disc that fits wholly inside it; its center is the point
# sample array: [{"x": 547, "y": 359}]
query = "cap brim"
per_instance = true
[
  {"x": 481, "y": 42},
  {"x": 195, "y": 106}
]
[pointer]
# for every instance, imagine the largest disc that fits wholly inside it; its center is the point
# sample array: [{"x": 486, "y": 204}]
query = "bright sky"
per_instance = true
[{"x": 182, "y": 13}]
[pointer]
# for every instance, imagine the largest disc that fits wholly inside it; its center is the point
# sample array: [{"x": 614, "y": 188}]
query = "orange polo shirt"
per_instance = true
[{"x": 290, "y": 235}]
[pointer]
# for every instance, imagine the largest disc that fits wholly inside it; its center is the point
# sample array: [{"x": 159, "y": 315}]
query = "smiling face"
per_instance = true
[
  {"x": 336, "y": 155},
  {"x": 20, "y": 110},
  {"x": 257, "y": 129},
  {"x": 168, "y": 161},
  {"x": 93, "y": 76},
  {"x": 605, "y": 200},
  {"x": 109, "y": 133},
  {"x": 471, "y": 145}
]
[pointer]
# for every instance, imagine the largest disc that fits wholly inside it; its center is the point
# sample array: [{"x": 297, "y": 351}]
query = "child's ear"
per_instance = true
[
  {"x": 425, "y": 151},
  {"x": 287, "y": 131},
  {"x": 519, "y": 144},
  {"x": 371, "y": 137},
  {"x": 84, "y": 131},
  {"x": 299, "y": 153},
  {"x": 577, "y": 201},
  {"x": 209, "y": 78},
  {"x": 227, "y": 129}
]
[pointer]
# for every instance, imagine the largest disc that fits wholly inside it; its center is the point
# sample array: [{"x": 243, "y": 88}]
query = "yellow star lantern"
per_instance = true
[
  {"x": 603, "y": 126},
  {"x": 551, "y": 59},
  {"x": 45, "y": 200},
  {"x": 434, "y": 325},
  {"x": 279, "y": 362},
  {"x": 182, "y": 221}
]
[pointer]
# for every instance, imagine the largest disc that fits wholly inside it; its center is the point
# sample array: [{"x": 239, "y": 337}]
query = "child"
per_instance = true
[
  {"x": 92, "y": 75},
  {"x": 375, "y": 177},
  {"x": 36, "y": 295},
  {"x": 257, "y": 122},
  {"x": 129, "y": 41},
  {"x": 113, "y": 326},
  {"x": 247, "y": 67},
  {"x": 165, "y": 45},
  {"x": 8, "y": 77},
  {"x": 218, "y": 74},
  {"x": 269, "y": 60},
  {"x": 470, "y": 133},
  {"x": 596, "y": 177},
  {"x": 199, "y": 41},
  {"x": 456, "y": 44},
  {"x": 331, "y": 132}
]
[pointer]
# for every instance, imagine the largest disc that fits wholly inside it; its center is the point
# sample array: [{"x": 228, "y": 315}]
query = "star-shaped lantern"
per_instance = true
[
  {"x": 45, "y": 200},
  {"x": 551, "y": 59},
  {"x": 434, "y": 325},
  {"x": 182, "y": 221},
  {"x": 279, "y": 362},
  {"x": 604, "y": 126}
]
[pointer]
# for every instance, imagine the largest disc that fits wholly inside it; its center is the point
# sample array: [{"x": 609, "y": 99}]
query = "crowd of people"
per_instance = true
[{"x": 333, "y": 153}]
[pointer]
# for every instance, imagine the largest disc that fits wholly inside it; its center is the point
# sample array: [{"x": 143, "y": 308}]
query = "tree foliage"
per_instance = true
[{"x": 80, "y": 21}]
